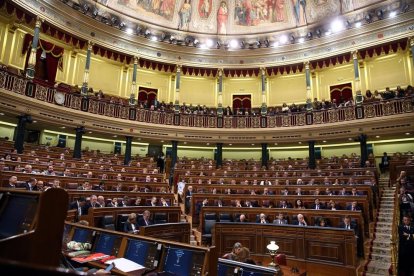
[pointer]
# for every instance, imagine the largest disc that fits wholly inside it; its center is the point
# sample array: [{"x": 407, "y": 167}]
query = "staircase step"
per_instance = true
[{"x": 381, "y": 257}]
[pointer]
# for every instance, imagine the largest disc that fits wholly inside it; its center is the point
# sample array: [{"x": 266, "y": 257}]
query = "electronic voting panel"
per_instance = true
[
  {"x": 107, "y": 244},
  {"x": 145, "y": 253},
  {"x": 182, "y": 261}
]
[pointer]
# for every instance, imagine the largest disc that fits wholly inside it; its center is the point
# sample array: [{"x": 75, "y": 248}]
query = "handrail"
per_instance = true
[
  {"x": 394, "y": 232},
  {"x": 18, "y": 84}
]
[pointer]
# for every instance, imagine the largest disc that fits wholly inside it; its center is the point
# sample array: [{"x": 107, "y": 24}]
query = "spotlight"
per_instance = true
[
  {"x": 172, "y": 38},
  {"x": 95, "y": 12},
  {"x": 147, "y": 33},
  {"x": 129, "y": 31},
  {"x": 368, "y": 18},
  {"x": 393, "y": 14},
  {"x": 283, "y": 39},
  {"x": 154, "y": 38},
  {"x": 242, "y": 44},
  {"x": 163, "y": 36},
  {"x": 234, "y": 44},
  {"x": 209, "y": 43},
  {"x": 318, "y": 32},
  {"x": 358, "y": 24},
  {"x": 122, "y": 25},
  {"x": 337, "y": 26},
  {"x": 85, "y": 8},
  {"x": 309, "y": 35},
  {"x": 188, "y": 40},
  {"x": 138, "y": 30},
  {"x": 218, "y": 44},
  {"x": 380, "y": 14}
]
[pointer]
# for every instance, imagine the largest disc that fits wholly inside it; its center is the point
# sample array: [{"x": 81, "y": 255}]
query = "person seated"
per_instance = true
[
  {"x": 280, "y": 219},
  {"x": 145, "y": 219},
  {"x": 317, "y": 205},
  {"x": 242, "y": 218},
  {"x": 353, "y": 206},
  {"x": 262, "y": 219},
  {"x": 131, "y": 225},
  {"x": 234, "y": 252},
  {"x": 322, "y": 223},
  {"x": 300, "y": 220},
  {"x": 12, "y": 182},
  {"x": 284, "y": 204},
  {"x": 299, "y": 204}
]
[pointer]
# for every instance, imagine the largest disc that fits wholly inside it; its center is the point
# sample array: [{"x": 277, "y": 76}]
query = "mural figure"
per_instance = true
[
  {"x": 222, "y": 15},
  {"x": 255, "y": 12},
  {"x": 299, "y": 11},
  {"x": 167, "y": 8},
  {"x": 347, "y": 5},
  {"x": 185, "y": 16},
  {"x": 276, "y": 10},
  {"x": 164, "y": 8},
  {"x": 204, "y": 8}
]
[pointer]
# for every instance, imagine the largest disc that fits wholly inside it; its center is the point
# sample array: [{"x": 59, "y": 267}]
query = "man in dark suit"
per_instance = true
[
  {"x": 131, "y": 225},
  {"x": 317, "y": 205},
  {"x": 406, "y": 233},
  {"x": 284, "y": 204},
  {"x": 353, "y": 207},
  {"x": 201, "y": 205},
  {"x": 79, "y": 205},
  {"x": 262, "y": 219},
  {"x": 385, "y": 162},
  {"x": 280, "y": 219},
  {"x": 29, "y": 185},
  {"x": 93, "y": 203},
  {"x": 12, "y": 182},
  {"x": 300, "y": 221},
  {"x": 188, "y": 196},
  {"x": 145, "y": 219},
  {"x": 348, "y": 224},
  {"x": 242, "y": 218}
]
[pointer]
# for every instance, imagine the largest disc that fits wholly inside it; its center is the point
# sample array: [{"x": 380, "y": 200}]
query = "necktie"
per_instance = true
[
  {"x": 146, "y": 223},
  {"x": 79, "y": 211},
  {"x": 317, "y": 207}
]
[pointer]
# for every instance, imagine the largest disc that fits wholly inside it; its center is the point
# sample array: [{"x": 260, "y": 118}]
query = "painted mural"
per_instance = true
[{"x": 232, "y": 17}]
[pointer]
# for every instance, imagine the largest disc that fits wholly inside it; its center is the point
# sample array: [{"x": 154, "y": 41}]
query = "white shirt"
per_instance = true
[{"x": 180, "y": 187}]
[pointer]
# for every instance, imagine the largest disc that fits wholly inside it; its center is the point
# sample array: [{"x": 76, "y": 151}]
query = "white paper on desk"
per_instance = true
[{"x": 125, "y": 265}]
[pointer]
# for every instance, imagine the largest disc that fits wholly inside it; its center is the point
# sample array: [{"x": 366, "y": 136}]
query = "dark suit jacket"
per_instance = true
[
  {"x": 277, "y": 221},
  {"x": 321, "y": 206},
  {"x": 353, "y": 226},
  {"x": 258, "y": 221},
  {"x": 27, "y": 187},
  {"x": 296, "y": 222},
  {"x": 349, "y": 208},
  {"x": 141, "y": 222},
  {"x": 128, "y": 227}
]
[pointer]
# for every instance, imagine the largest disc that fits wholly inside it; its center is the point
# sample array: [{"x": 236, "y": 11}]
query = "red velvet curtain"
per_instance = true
[
  {"x": 54, "y": 56},
  {"x": 147, "y": 94},
  {"x": 242, "y": 102},
  {"x": 341, "y": 92}
]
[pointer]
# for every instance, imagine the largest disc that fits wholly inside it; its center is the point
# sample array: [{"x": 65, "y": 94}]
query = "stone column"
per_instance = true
[
  {"x": 177, "y": 90},
  {"x": 31, "y": 64},
  {"x": 132, "y": 100},
  {"x": 128, "y": 147},
  {"x": 309, "y": 106},
  {"x": 265, "y": 158},
  {"x": 220, "y": 93},
  {"x": 312, "y": 159},
  {"x": 85, "y": 84},
  {"x": 21, "y": 128},
  {"x": 219, "y": 155},
  {"x": 263, "y": 110},
  {"x": 77, "y": 151},
  {"x": 358, "y": 97}
]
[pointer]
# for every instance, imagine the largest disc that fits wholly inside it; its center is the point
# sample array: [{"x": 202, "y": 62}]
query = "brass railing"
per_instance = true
[
  {"x": 394, "y": 232},
  {"x": 46, "y": 93}
]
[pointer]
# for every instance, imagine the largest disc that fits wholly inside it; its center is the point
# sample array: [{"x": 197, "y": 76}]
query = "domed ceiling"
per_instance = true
[
  {"x": 233, "y": 17},
  {"x": 217, "y": 33}
]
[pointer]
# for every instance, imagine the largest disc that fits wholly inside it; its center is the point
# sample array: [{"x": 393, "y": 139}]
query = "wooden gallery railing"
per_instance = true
[{"x": 17, "y": 84}]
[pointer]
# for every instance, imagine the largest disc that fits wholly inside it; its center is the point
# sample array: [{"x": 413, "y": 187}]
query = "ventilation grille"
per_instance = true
[
  {"x": 56, "y": 117},
  {"x": 286, "y": 137},
  {"x": 108, "y": 127},
  {"x": 8, "y": 105},
  {"x": 153, "y": 133},
  {"x": 198, "y": 136},
  {"x": 241, "y": 138},
  {"x": 334, "y": 133},
  {"x": 394, "y": 126}
]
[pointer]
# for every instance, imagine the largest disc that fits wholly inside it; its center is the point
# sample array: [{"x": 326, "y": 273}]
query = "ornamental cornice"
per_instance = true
[{"x": 69, "y": 20}]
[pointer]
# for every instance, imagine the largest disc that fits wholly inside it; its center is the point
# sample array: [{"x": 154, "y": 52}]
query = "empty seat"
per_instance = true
[
  {"x": 120, "y": 222},
  {"x": 160, "y": 218},
  {"x": 210, "y": 216},
  {"x": 225, "y": 217},
  {"x": 107, "y": 222}
]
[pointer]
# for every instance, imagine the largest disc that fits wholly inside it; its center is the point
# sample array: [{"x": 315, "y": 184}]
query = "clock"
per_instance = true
[{"x": 59, "y": 97}]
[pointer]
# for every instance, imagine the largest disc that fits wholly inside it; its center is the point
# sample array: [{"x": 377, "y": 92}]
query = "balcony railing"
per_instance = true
[{"x": 45, "y": 93}]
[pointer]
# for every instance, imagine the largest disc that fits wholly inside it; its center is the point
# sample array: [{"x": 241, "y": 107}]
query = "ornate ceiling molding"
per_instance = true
[{"x": 84, "y": 27}]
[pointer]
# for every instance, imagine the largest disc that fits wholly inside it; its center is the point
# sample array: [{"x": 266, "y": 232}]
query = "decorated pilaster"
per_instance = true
[
  {"x": 177, "y": 90},
  {"x": 31, "y": 64},
  {"x": 263, "y": 110},
  {"x": 308, "y": 87},
  {"x": 85, "y": 84},
  {"x": 220, "y": 93},
  {"x": 132, "y": 100},
  {"x": 411, "y": 40},
  {"x": 358, "y": 98}
]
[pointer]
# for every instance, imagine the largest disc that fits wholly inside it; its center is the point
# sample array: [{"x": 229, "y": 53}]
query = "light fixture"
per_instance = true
[
  {"x": 196, "y": 42},
  {"x": 358, "y": 24},
  {"x": 129, "y": 31},
  {"x": 393, "y": 14},
  {"x": 252, "y": 144},
  {"x": 154, "y": 38},
  {"x": 275, "y": 144},
  {"x": 114, "y": 21},
  {"x": 233, "y": 43},
  {"x": 380, "y": 14},
  {"x": 368, "y": 18},
  {"x": 147, "y": 32},
  {"x": 162, "y": 141},
  {"x": 85, "y": 8},
  {"x": 337, "y": 25},
  {"x": 309, "y": 35},
  {"x": 95, "y": 12},
  {"x": 283, "y": 39},
  {"x": 209, "y": 43},
  {"x": 122, "y": 25},
  {"x": 218, "y": 44},
  {"x": 300, "y": 143},
  {"x": 35, "y": 122},
  {"x": 350, "y": 139},
  {"x": 407, "y": 133},
  {"x": 377, "y": 136},
  {"x": 242, "y": 44},
  {"x": 275, "y": 44},
  {"x": 185, "y": 143},
  {"x": 301, "y": 40},
  {"x": 1, "y": 114},
  {"x": 324, "y": 141},
  {"x": 230, "y": 144},
  {"x": 292, "y": 38},
  {"x": 318, "y": 32},
  {"x": 266, "y": 43},
  {"x": 63, "y": 127},
  {"x": 208, "y": 144},
  {"x": 273, "y": 248},
  {"x": 348, "y": 24},
  {"x": 115, "y": 136},
  {"x": 90, "y": 132}
]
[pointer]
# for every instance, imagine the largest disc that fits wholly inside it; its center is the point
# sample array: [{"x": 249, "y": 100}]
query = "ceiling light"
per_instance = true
[
  {"x": 209, "y": 43},
  {"x": 63, "y": 127},
  {"x": 350, "y": 139},
  {"x": 242, "y": 44},
  {"x": 275, "y": 144},
  {"x": 162, "y": 141},
  {"x": 358, "y": 24},
  {"x": 337, "y": 25},
  {"x": 196, "y": 42},
  {"x": 299, "y": 143},
  {"x": 283, "y": 39},
  {"x": 348, "y": 24},
  {"x": 234, "y": 43},
  {"x": 324, "y": 141},
  {"x": 218, "y": 44},
  {"x": 292, "y": 38},
  {"x": 34, "y": 122},
  {"x": 252, "y": 144},
  {"x": 393, "y": 14},
  {"x": 85, "y": 8},
  {"x": 208, "y": 144},
  {"x": 95, "y": 12},
  {"x": 115, "y": 136},
  {"x": 230, "y": 144},
  {"x": 122, "y": 25},
  {"x": 202, "y": 46},
  {"x": 90, "y": 132},
  {"x": 129, "y": 31},
  {"x": 147, "y": 32},
  {"x": 185, "y": 143},
  {"x": 266, "y": 42},
  {"x": 1, "y": 114},
  {"x": 301, "y": 40}
]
